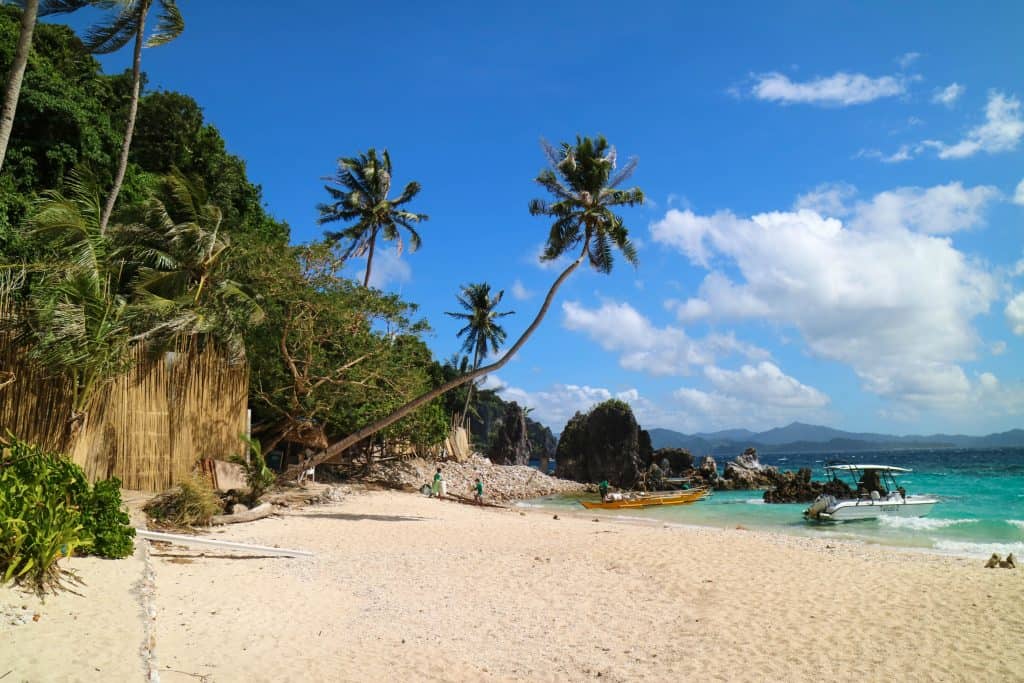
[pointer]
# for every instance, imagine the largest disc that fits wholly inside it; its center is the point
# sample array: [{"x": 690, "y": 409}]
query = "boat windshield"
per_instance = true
[{"x": 870, "y": 480}]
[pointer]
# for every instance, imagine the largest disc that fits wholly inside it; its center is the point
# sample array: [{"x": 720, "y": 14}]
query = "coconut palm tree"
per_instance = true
[
  {"x": 483, "y": 335},
  {"x": 79, "y": 321},
  {"x": 584, "y": 187},
  {"x": 130, "y": 24},
  {"x": 363, "y": 184},
  {"x": 30, "y": 9},
  {"x": 174, "y": 243}
]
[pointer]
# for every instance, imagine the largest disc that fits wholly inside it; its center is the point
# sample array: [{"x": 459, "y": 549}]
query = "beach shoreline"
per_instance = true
[{"x": 402, "y": 586}]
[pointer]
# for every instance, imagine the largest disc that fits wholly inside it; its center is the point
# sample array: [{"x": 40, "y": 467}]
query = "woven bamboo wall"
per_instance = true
[{"x": 148, "y": 427}]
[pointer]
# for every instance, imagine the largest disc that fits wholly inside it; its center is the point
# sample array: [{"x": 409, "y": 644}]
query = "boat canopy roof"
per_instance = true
[{"x": 860, "y": 468}]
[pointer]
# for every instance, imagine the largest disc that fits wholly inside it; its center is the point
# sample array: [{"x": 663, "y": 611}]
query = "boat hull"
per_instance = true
[
  {"x": 658, "y": 500},
  {"x": 851, "y": 510}
]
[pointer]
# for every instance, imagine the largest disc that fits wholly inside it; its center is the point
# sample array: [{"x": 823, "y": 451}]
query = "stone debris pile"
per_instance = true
[{"x": 502, "y": 483}]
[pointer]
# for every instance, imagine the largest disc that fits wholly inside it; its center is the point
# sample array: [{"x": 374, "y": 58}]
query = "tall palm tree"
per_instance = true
[
  {"x": 363, "y": 184},
  {"x": 30, "y": 9},
  {"x": 130, "y": 24},
  {"x": 585, "y": 190},
  {"x": 483, "y": 335}
]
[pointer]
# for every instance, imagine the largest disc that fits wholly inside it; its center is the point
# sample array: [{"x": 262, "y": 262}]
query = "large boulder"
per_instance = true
[
  {"x": 603, "y": 444},
  {"x": 708, "y": 468},
  {"x": 674, "y": 461},
  {"x": 797, "y": 487},
  {"x": 511, "y": 444},
  {"x": 747, "y": 472}
]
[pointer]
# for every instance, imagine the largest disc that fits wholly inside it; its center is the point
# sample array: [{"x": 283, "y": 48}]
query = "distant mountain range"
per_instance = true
[{"x": 804, "y": 438}]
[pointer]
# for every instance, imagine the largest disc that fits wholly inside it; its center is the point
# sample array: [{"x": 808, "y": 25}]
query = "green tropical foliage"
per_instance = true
[
  {"x": 258, "y": 477},
  {"x": 482, "y": 334},
  {"x": 359, "y": 190},
  {"x": 128, "y": 24},
  {"x": 584, "y": 187},
  {"x": 49, "y": 511}
]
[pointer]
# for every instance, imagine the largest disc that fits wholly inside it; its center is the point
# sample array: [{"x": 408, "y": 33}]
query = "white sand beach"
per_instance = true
[{"x": 407, "y": 588}]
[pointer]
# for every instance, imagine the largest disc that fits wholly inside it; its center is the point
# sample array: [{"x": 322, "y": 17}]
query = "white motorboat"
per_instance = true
[{"x": 877, "y": 496}]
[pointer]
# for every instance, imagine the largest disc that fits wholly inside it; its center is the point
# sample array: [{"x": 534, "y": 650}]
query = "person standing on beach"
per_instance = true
[
  {"x": 435, "y": 488},
  {"x": 478, "y": 494},
  {"x": 603, "y": 488}
]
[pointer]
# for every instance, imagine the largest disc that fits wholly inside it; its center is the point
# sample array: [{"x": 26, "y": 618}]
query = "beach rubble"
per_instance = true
[{"x": 502, "y": 483}]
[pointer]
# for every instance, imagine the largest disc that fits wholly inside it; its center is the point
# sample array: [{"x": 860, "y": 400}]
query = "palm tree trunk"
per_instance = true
[
  {"x": 369, "y": 258},
  {"x": 465, "y": 408},
  {"x": 469, "y": 394},
  {"x": 17, "y": 73},
  {"x": 133, "y": 108},
  {"x": 352, "y": 439}
]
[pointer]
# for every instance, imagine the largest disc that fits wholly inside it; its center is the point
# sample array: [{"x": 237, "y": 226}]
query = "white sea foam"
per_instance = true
[
  {"x": 754, "y": 501},
  {"x": 1017, "y": 522},
  {"x": 966, "y": 549},
  {"x": 921, "y": 523}
]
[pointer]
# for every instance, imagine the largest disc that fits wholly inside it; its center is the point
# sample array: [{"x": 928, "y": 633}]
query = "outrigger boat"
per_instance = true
[
  {"x": 620, "y": 501},
  {"x": 877, "y": 496}
]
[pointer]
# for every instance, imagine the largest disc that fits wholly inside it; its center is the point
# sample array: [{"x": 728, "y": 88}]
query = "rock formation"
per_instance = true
[
  {"x": 747, "y": 472},
  {"x": 511, "y": 445},
  {"x": 601, "y": 444},
  {"x": 797, "y": 487},
  {"x": 673, "y": 461}
]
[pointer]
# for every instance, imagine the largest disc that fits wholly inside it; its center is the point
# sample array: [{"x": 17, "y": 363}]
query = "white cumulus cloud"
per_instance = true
[
  {"x": 948, "y": 95},
  {"x": 644, "y": 347},
  {"x": 1001, "y": 132},
  {"x": 520, "y": 292},
  {"x": 1015, "y": 314},
  {"x": 554, "y": 407},
  {"x": 754, "y": 397},
  {"x": 840, "y": 89},
  {"x": 389, "y": 268},
  {"x": 1018, "y": 195},
  {"x": 939, "y": 210},
  {"x": 765, "y": 383},
  {"x": 878, "y": 293}
]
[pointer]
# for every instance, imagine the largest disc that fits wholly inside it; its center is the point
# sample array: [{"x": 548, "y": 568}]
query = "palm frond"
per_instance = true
[{"x": 170, "y": 24}]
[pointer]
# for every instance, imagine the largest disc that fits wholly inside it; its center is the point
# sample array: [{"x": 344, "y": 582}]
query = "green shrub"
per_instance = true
[
  {"x": 258, "y": 477},
  {"x": 107, "y": 523},
  {"x": 40, "y": 520},
  {"x": 49, "y": 511},
  {"x": 193, "y": 502}
]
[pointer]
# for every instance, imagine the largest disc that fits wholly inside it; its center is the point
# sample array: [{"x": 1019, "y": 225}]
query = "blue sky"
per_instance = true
[{"x": 836, "y": 190}]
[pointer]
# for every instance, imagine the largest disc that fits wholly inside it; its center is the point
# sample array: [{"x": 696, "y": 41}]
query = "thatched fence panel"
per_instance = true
[{"x": 148, "y": 427}]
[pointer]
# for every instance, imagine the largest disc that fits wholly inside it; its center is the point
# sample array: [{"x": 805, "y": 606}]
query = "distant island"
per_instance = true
[{"x": 798, "y": 437}]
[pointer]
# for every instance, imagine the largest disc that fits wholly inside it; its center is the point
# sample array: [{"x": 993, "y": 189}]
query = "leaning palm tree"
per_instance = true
[
  {"x": 483, "y": 335},
  {"x": 30, "y": 9},
  {"x": 363, "y": 184},
  {"x": 79, "y": 322},
  {"x": 175, "y": 245},
  {"x": 130, "y": 24},
  {"x": 584, "y": 188}
]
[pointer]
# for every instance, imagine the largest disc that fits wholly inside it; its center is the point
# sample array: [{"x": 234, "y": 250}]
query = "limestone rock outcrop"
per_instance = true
[
  {"x": 746, "y": 472},
  {"x": 797, "y": 487},
  {"x": 602, "y": 444},
  {"x": 511, "y": 445}
]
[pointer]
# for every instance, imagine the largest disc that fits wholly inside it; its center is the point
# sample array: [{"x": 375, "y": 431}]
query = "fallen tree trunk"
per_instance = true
[
  {"x": 182, "y": 539},
  {"x": 468, "y": 501},
  {"x": 258, "y": 512}
]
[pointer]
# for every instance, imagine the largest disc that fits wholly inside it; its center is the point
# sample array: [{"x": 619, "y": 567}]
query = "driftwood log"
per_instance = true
[{"x": 258, "y": 512}]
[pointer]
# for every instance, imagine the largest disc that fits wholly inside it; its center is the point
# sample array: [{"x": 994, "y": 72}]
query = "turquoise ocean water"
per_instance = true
[{"x": 980, "y": 509}]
